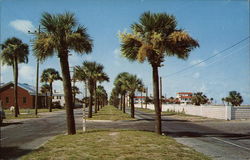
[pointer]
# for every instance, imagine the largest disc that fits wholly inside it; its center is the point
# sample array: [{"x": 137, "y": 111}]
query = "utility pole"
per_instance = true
[
  {"x": 161, "y": 93},
  {"x": 141, "y": 99},
  {"x": 146, "y": 98},
  {"x": 74, "y": 81},
  {"x": 37, "y": 72},
  {"x": 84, "y": 107}
]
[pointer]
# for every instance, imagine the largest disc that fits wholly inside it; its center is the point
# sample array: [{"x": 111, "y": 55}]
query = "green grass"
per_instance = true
[
  {"x": 114, "y": 144},
  {"x": 26, "y": 113},
  {"x": 110, "y": 113}
]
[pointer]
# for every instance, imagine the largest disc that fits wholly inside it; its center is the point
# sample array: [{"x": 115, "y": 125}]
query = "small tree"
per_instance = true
[
  {"x": 199, "y": 98},
  {"x": 234, "y": 98}
]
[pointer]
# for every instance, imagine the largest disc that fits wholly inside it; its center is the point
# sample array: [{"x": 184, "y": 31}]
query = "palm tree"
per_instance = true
[
  {"x": 50, "y": 75},
  {"x": 199, "y": 98},
  {"x": 75, "y": 91},
  {"x": 45, "y": 88},
  {"x": 101, "y": 96},
  {"x": 61, "y": 33},
  {"x": 100, "y": 77},
  {"x": 120, "y": 84},
  {"x": 114, "y": 98},
  {"x": 234, "y": 98},
  {"x": 14, "y": 52},
  {"x": 132, "y": 84},
  {"x": 154, "y": 37}
]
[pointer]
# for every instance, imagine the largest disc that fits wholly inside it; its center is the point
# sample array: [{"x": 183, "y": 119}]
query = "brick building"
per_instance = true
[{"x": 26, "y": 95}]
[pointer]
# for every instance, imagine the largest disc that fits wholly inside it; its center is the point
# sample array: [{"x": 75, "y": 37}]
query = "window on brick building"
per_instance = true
[
  {"x": 24, "y": 100},
  {"x": 7, "y": 99}
]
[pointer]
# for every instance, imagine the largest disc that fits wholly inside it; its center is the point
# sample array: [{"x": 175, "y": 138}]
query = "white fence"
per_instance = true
[{"x": 218, "y": 112}]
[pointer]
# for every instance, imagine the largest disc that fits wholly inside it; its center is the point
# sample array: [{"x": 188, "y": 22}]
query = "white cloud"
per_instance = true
[
  {"x": 22, "y": 25},
  {"x": 27, "y": 73},
  {"x": 117, "y": 52},
  {"x": 196, "y": 75},
  {"x": 198, "y": 62}
]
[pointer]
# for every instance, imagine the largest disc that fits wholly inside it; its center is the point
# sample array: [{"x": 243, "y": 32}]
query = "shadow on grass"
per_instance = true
[
  {"x": 205, "y": 134},
  {"x": 13, "y": 152}
]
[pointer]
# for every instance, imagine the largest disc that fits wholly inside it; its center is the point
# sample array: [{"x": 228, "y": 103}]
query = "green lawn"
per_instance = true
[
  {"x": 26, "y": 113},
  {"x": 110, "y": 113},
  {"x": 114, "y": 144}
]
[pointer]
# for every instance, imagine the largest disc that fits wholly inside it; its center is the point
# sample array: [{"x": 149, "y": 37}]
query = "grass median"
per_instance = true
[
  {"x": 114, "y": 144},
  {"x": 110, "y": 113},
  {"x": 26, "y": 113}
]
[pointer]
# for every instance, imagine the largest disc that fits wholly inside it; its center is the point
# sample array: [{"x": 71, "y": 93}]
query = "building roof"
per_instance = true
[
  {"x": 185, "y": 93},
  {"x": 29, "y": 88}
]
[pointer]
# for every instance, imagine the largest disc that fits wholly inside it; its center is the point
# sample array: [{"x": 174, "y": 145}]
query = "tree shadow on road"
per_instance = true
[
  {"x": 11, "y": 123},
  {"x": 12, "y": 152}
]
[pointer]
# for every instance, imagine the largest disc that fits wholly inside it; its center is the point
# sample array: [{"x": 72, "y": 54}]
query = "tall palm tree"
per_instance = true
[
  {"x": 120, "y": 82},
  {"x": 132, "y": 84},
  {"x": 45, "y": 88},
  {"x": 61, "y": 33},
  {"x": 50, "y": 75},
  {"x": 154, "y": 37},
  {"x": 14, "y": 51}
]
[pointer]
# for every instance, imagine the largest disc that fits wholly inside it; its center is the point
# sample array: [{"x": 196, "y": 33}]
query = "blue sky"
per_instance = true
[{"x": 216, "y": 24}]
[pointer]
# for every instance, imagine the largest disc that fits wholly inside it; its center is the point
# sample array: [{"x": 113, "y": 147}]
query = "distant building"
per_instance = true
[
  {"x": 139, "y": 99},
  {"x": 26, "y": 95},
  {"x": 58, "y": 97},
  {"x": 184, "y": 97}
]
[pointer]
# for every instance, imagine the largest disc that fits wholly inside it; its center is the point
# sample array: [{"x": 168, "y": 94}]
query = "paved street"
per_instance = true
[
  {"x": 227, "y": 140},
  {"x": 220, "y": 140}
]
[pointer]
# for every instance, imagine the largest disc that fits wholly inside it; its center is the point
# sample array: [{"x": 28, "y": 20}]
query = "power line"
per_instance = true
[{"x": 184, "y": 69}]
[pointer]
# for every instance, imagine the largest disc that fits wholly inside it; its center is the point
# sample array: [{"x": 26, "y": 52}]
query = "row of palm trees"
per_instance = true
[
  {"x": 126, "y": 84},
  {"x": 154, "y": 37},
  {"x": 92, "y": 73}
]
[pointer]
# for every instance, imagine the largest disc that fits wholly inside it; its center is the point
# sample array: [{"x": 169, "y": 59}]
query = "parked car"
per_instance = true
[{"x": 2, "y": 115}]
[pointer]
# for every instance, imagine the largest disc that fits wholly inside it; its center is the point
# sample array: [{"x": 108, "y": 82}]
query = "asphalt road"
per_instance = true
[
  {"x": 19, "y": 138},
  {"x": 219, "y": 140},
  {"x": 222, "y": 140}
]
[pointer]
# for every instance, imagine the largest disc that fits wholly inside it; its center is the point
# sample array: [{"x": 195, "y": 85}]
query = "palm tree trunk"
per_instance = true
[
  {"x": 15, "y": 75},
  {"x": 91, "y": 88},
  {"x": 156, "y": 100},
  {"x": 46, "y": 101},
  {"x": 95, "y": 97},
  {"x": 67, "y": 93},
  {"x": 124, "y": 107},
  {"x": 97, "y": 101},
  {"x": 50, "y": 98},
  {"x": 132, "y": 106},
  {"x": 121, "y": 102}
]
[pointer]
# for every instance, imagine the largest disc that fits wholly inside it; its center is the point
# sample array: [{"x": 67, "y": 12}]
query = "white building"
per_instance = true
[
  {"x": 58, "y": 97},
  {"x": 184, "y": 97}
]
